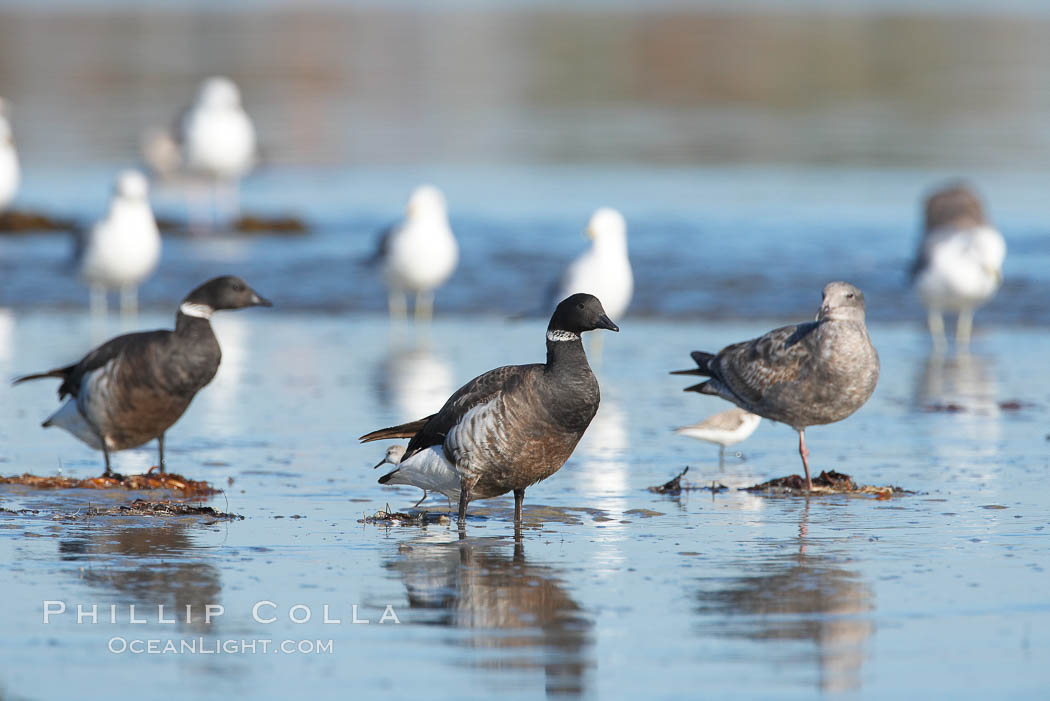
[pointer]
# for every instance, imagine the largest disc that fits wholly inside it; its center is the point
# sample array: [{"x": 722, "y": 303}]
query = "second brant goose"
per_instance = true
[
  {"x": 511, "y": 427},
  {"x": 133, "y": 388},
  {"x": 810, "y": 374}
]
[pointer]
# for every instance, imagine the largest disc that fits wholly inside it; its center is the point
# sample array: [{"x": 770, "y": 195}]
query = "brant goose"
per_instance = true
[
  {"x": 604, "y": 269},
  {"x": 122, "y": 249},
  {"x": 511, "y": 427},
  {"x": 133, "y": 388},
  {"x": 217, "y": 136},
  {"x": 419, "y": 254},
  {"x": 959, "y": 265},
  {"x": 814, "y": 373},
  {"x": 727, "y": 427},
  {"x": 10, "y": 173}
]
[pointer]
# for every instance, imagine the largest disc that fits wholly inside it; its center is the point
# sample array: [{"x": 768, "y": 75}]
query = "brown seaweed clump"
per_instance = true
[
  {"x": 152, "y": 480},
  {"x": 15, "y": 222},
  {"x": 249, "y": 224},
  {"x": 386, "y": 517},
  {"x": 675, "y": 486},
  {"x": 825, "y": 483}
]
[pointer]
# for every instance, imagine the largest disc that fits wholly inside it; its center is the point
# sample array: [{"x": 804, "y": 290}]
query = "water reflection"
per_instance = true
[
  {"x": 520, "y": 616},
  {"x": 413, "y": 381},
  {"x": 964, "y": 388},
  {"x": 797, "y": 596},
  {"x": 146, "y": 567}
]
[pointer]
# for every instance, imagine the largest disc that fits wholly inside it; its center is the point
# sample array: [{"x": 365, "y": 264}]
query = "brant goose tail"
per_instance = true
[
  {"x": 59, "y": 373},
  {"x": 403, "y": 431}
]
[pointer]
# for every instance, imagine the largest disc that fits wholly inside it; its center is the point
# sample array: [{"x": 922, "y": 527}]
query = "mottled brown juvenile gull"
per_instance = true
[
  {"x": 959, "y": 266},
  {"x": 814, "y": 373}
]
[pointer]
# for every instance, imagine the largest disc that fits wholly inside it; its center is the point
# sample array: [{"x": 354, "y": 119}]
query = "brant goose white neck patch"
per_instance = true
[
  {"x": 201, "y": 311},
  {"x": 558, "y": 335}
]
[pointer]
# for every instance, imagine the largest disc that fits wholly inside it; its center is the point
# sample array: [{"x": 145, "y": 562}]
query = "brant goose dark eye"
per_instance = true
[
  {"x": 579, "y": 305},
  {"x": 237, "y": 287}
]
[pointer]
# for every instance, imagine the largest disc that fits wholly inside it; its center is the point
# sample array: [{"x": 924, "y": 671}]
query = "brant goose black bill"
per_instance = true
[
  {"x": 132, "y": 388},
  {"x": 810, "y": 374},
  {"x": 511, "y": 427}
]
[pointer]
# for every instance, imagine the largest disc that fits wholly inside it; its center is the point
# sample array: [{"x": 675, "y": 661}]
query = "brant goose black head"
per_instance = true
[
  {"x": 841, "y": 302},
  {"x": 226, "y": 292},
  {"x": 576, "y": 314}
]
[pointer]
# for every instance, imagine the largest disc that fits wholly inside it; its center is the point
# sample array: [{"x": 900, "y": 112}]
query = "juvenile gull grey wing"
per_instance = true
[{"x": 814, "y": 373}]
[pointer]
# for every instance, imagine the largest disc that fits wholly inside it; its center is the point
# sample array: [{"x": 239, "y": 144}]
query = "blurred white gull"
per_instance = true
[
  {"x": 10, "y": 173},
  {"x": 724, "y": 428},
  {"x": 217, "y": 142},
  {"x": 604, "y": 269},
  {"x": 959, "y": 266},
  {"x": 123, "y": 248},
  {"x": 419, "y": 254},
  {"x": 217, "y": 137}
]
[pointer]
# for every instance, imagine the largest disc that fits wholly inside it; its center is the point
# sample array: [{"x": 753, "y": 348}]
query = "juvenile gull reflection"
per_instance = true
[
  {"x": 796, "y": 596},
  {"x": 147, "y": 567},
  {"x": 520, "y": 615}
]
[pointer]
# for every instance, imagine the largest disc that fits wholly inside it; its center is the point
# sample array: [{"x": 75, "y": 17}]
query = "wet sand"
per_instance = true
[{"x": 729, "y": 594}]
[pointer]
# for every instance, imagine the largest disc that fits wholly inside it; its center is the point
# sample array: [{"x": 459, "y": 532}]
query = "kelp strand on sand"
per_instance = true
[{"x": 185, "y": 487}]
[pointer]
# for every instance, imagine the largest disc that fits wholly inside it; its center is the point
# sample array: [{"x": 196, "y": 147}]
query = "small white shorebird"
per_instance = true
[
  {"x": 603, "y": 270},
  {"x": 724, "y": 428},
  {"x": 419, "y": 254},
  {"x": 959, "y": 266},
  {"x": 393, "y": 457},
  {"x": 10, "y": 173},
  {"x": 217, "y": 137},
  {"x": 123, "y": 248}
]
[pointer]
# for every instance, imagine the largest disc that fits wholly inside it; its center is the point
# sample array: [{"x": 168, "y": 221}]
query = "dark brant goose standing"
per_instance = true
[
  {"x": 133, "y": 388},
  {"x": 511, "y": 427},
  {"x": 810, "y": 374}
]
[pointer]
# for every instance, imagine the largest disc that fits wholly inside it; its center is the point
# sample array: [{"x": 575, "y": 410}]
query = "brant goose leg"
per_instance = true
[
  {"x": 519, "y": 497},
  {"x": 464, "y": 498},
  {"x": 160, "y": 450}
]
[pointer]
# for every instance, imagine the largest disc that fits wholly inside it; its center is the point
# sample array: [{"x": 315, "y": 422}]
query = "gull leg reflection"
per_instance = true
[
  {"x": 513, "y": 614},
  {"x": 796, "y": 597}
]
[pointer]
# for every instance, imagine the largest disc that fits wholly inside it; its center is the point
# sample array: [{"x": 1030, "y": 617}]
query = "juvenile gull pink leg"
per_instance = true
[{"x": 804, "y": 452}]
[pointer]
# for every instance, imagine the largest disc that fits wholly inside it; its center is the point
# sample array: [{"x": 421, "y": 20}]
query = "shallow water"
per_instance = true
[{"x": 612, "y": 590}]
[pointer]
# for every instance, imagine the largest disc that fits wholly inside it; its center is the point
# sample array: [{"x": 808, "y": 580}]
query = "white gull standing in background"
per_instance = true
[
  {"x": 10, "y": 173},
  {"x": 959, "y": 266},
  {"x": 122, "y": 249},
  {"x": 419, "y": 254},
  {"x": 604, "y": 269},
  {"x": 217, "y": 137}
]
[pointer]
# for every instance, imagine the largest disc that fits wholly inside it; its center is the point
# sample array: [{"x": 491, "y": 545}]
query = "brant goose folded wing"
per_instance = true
[
  {"x": 810, "y": 374},
  {"x": 959, "y": 266},
  {"x": 419, "y": 254},
  {"x": 511, "y": 427},
  {"x": 133, "y": 388}
]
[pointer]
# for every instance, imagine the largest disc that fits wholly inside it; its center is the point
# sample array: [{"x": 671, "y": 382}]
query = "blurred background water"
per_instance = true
[{"x": 757, "y": 149}]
